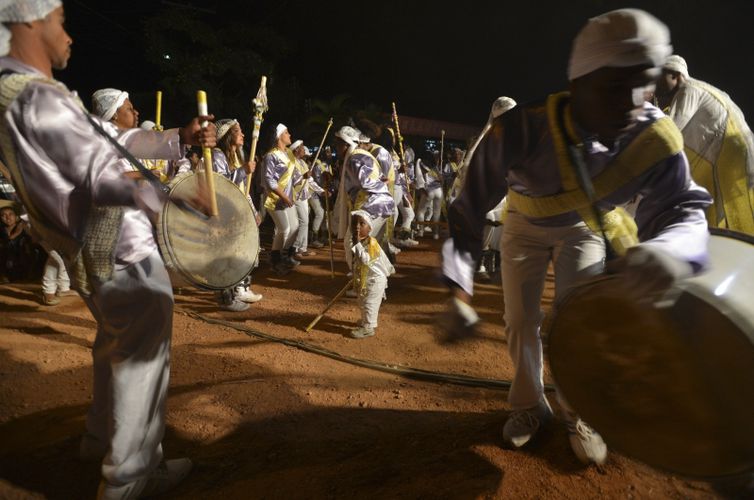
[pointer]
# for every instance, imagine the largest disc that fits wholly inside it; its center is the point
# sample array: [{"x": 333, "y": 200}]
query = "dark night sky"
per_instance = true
[{"x": 435, "y": 60}]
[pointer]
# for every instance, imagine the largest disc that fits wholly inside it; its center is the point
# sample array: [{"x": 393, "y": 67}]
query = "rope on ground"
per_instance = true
[{"x": 403, "y": 371}]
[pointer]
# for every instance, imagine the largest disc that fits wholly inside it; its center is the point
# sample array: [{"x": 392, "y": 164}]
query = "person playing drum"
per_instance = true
[
  {"x": 628, "y": 148},
  {"x": 65, "y": 173}
]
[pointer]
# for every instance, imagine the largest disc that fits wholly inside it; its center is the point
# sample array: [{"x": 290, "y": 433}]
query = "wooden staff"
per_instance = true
[
  {"x": 260, "y": 106},
  {"x": 401, "y": 151},
  {"x": 158, "y": 112},
  {"x": 327, "y": 201},
  {"x": 329, "y": 233},
  {"x": 321, "y": 143},
  {"x": 201, "y": 102},
  {"x": 348, "y": 285}
]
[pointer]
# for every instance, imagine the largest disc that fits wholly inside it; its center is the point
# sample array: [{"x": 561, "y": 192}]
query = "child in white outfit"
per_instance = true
[{"x": 371, "y": 269}]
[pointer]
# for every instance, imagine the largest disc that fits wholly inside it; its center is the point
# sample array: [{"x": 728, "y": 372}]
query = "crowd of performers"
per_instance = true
[{"x": 86, "y": 203}]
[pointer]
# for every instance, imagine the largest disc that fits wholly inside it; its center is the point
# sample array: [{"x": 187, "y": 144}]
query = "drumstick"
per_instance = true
[
  {"x": 348, "y": 285},
  {"x": 201, "y": 101},
  {"x": 158, "y": 112}
]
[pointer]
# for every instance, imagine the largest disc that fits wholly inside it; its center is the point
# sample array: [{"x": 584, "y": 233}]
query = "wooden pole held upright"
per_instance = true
[{"x": 201, "y": 101}]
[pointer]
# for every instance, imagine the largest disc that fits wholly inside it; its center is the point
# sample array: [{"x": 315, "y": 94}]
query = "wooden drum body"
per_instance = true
[{"x": 669, "y": 384}]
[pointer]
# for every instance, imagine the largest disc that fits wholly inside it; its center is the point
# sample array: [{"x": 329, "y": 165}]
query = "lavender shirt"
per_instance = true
[
  {"x": 518, "y": 154},
  {"x": 274, "y": 169},
  {"x": 360, "y": 176}
]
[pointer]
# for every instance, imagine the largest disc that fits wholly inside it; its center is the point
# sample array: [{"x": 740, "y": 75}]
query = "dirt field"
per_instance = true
[{"x": 265, "y": 420}]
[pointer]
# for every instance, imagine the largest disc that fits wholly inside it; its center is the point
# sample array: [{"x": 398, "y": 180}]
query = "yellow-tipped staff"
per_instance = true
[
  {"x": 201, "y": 102},
  {"x": 158, "y": 112},
  {"x": 260, "y": 106},
  {"x": 328, "y": 306},
  {"x": 400, "y": 147}
]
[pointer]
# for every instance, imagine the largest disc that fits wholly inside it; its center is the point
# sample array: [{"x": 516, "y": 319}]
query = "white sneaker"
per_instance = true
[
  {"x": 522, "y": 425},
  {"x": 361, "y": 332},
  {"x": 165, "y": 477},
  {"x": 246, "y": 295},
  {"x": 586, "y": 443},
  {"x": 410, "y": 242}
]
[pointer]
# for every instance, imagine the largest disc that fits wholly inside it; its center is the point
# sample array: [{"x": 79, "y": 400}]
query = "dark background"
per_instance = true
[{"x": 438, "y": 60}]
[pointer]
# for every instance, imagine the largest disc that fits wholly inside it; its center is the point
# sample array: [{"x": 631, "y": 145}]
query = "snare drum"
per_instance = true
[
  {"x": 669, "y": 384},
  {"x": 213, "y": 253}
]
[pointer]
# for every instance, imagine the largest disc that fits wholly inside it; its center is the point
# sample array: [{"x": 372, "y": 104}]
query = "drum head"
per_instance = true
[
  {"x": 215, "y": 253},
  {"x": 668, "y": 385}
]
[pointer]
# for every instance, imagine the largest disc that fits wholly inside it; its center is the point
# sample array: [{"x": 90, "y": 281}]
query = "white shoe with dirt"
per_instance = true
[
  {"x": 523, "y": 425},
  {"x": 164, "y": 478},
  {"x": 586, "y": 443}
]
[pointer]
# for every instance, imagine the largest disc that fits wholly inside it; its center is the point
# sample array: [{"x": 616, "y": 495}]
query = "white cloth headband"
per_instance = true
[
  {"x": 22, "y": 11},
  {"x": 105, "y": 102}
]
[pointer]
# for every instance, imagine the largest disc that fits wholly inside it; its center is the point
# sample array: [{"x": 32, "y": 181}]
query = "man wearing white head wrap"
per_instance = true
[
  {"x": 278, "y": 180},
  {"x": 62, "y": 168},
  {"x": 717, "y": 140},
  {"x": 529, "y": 155}
]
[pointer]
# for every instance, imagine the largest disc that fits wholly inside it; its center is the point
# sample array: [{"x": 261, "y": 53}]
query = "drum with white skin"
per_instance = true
[{"x": 667, "y": 383}]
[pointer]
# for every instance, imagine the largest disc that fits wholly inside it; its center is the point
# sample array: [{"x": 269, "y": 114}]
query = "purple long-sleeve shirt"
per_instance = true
[
  {"x": 518, "y": 154},
  {"x": 362, "y": 174}
]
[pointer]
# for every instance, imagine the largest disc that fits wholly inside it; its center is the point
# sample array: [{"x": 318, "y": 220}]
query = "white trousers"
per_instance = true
[
  {"x": 55, "y": 277},
  {"x": 432, "y": 203},
  {"x": 131, "y": 358},
  {"x": 378, "y": 232},
  {"x": 286, "y": 227},
  {"x": 577, "y": 254},
  {"x": 319, "y": 213},
  {"x": 370, "y": 302},
  {"x": 302, "y": 213},
  {"x": 406, "y": 212}
]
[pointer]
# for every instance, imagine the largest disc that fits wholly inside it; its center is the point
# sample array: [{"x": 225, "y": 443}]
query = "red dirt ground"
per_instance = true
[{"x": 265, "y": 420}]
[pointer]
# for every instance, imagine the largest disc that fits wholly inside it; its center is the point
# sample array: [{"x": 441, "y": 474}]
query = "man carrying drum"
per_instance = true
[
  {"x": 532, "y": 154},
  {"x": 65, "y": 173}
]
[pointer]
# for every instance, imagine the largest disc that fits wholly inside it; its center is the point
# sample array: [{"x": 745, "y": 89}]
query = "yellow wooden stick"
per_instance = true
[
  {"x": 158, "y": 112},
  {"x": 201, "y": 101},
  {"x": 260, "y": 106},
  {"x": 328, "y": 306}
]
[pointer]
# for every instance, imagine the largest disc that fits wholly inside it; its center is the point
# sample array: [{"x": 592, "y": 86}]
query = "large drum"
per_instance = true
[
  {"x": 213, "y": 253},
  {"x": 669, "y": 383}
]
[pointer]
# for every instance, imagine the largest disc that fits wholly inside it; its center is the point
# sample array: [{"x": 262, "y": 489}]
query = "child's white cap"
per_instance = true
[{"x": 364, "y": 215}]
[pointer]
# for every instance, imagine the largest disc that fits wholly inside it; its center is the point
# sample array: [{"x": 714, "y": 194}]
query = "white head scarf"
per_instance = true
[
  {"x": 22, "y": 11},
  {"x": 296, "y": 145},
  {"x": 349, "y": 135},
  {"x": 105, "y": 102},
  {"x": 307, "y": 151},
  {"x": 677, "y": 63},
  {"x": 618, "y": 39},
  {"x": 147, "y": 125},
  {"x": 364, "y": 215},
  {"x": 223, "y": 126},
  {"x": 279, "y": 130}
]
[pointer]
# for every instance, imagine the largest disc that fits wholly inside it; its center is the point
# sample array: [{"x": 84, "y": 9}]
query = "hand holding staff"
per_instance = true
[
  {"x": 201, "y": 101},
  {"x": 260, "y": 106}
]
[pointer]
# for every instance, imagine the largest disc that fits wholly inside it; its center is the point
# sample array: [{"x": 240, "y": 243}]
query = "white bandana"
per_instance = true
[
  {"x": 105, "y": 102},
  {"x": 618, "y": 39},
  {"x": 279, "y": 130},
  {"x": 677, "y": 63},
  {"x": 22, "y": 11},
  {"x": 364, "y": 215},
  {"x": 223, "y": 126}
]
